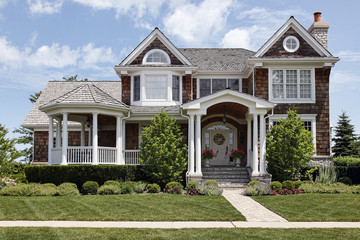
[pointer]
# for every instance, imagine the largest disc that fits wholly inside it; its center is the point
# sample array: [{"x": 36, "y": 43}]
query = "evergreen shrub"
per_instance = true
[
  {"x": 109, "y": 189},
  {"x": 90, "y": 187},
  {"x": 174, "y": 188},
  {"x": 276, "y": 186},
  {"x": 67, "y": 189},
  {"x": 153, "y": 188},
  {"x": 290, "y": 185}
]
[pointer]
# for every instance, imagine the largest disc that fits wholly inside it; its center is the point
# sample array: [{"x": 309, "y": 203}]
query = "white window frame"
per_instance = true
[
  {"x": 304, "y": 117},
  {"x": 156, "y": 63},
  {"x": 291, "y": 38},
  {"x": 292, "y": 100},
  {"x": 216, "y": 77},
  {"x": 155, "y": 102}
]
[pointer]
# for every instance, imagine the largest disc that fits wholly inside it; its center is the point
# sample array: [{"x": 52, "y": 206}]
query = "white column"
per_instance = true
[
  {"x": 198, "y": 144},
  {"x": 64, "y": 139},
  {"x": 95, "y": 139},
  {"x": 58, "y": 133},
  {"x": 255, "y": 163},
  {"x": 51, "y": 139},
  {"x": 82, "y": 140},
  {"x": 262, "y": 145},
  {"x": 90, "y": 136},
  {"x": 191, "y": 144},
  {"x": 248, "y": 163},
  {"x": 119, "y": 155}
]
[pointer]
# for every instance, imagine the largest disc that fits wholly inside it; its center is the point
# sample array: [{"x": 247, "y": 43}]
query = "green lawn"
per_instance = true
[
  {"x": 314, "y": 207},
  {"x": 186, "y": 234},
  {"x": 129, "y": 207}
]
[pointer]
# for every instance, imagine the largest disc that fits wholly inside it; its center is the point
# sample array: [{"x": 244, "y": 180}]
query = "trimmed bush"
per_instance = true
[
  {"x": 211, "y": 182},
  {"x": 113, "y": 182},
  {"x": 326, "y": 188},
  {"x": 67, "y": 189},
  {"x": 345, "y": 180},
  {"x": 33, "y": 189},
  {"x": 297, "y": 184},
  {"x": 140, "y": 187},
  {"x": 192, "y": 185},
  {"x": 90, "y": 187},
  {"x": 276, "y": 186},
  {"x": 79, "y": 174},
  {"x": 347, "y": 161},
  {"x": 49, "y": 185},
  {"x": 209, "y": 190},
  {"x": 258, "y": 189},
  {"x": 252, "y": 183},
  {"x": 109, "y": 189},
  {"x": 126, "y": 188},
  {"x": 290, "y": 185},
  {"x": 174, "y": 188},
  {"x": 153, "y": 188}
]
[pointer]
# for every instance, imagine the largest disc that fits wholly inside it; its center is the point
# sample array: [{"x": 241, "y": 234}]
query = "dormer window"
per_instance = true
[{"x": 156, "y": 56}]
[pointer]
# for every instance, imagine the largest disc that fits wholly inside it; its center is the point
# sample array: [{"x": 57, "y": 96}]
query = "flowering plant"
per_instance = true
[
  {"x": 207, "y": 154},
  {"x": 236, "y": 153}
]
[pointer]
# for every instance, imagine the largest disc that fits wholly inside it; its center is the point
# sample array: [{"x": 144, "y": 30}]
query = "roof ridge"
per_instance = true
[{"x": 92, "y": 92}]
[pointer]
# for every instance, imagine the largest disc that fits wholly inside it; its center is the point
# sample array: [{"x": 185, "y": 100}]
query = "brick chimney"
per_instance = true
[{"x": 319, "y": 30}]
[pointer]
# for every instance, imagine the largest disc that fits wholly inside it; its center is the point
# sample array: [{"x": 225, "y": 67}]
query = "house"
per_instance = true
[{"x": 224, "y": 99}]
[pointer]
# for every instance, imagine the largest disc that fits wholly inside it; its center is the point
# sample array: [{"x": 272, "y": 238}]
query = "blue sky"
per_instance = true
[{"x": 42, "y": 40}]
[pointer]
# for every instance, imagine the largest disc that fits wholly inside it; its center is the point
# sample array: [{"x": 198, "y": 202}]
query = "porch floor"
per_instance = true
[{"x": 226, "y": 174}]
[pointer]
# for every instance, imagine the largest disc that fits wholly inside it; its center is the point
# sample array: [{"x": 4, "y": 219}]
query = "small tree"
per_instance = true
[
  {"x": 289, "y": 147},
  {"x": 8, "y": 152},
  {"x": 163, "y": 150},
  {"x": 34, "y": 97},
  {"x": 345, "y": 138},
  {"x": 27, "y": 139}
]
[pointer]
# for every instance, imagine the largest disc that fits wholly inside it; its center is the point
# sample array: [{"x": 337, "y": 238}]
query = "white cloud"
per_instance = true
[
  {"x": 196, "y": 24},
  {"x": 349, "y": 56},
  {"x": 341, "y": 80},
  {"x": 44, "y": 6}
]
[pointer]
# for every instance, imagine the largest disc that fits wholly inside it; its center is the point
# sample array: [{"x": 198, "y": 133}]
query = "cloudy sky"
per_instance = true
[{"x": 42, "y": 40}]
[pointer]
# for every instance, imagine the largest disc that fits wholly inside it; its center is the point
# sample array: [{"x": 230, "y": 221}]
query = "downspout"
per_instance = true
[{"x": 181, "y": 113}]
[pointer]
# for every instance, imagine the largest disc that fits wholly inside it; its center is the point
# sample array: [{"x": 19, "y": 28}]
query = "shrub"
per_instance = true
[
  {"x": 109, "y": 189},
  {"x": 67, "y": 189},
  {"x": 258, "y": 189},
  {"x": 90, "y": 187},
  {"x": 252, "y": 183},
  {"x": 326, "y": 175},
  {"x": 345, "y": 180},
  {"x": 33, "y": 189},
  {"x": 140, "y": 187},
  {"x": 163, "y": 150},
  {"x": 153, "y": 188},
  {"x": 275, "y": 185},
  {"x": 211, "y": 182},
  {"x": 192, "y": 185},
  {"x": 285, "y": 191},
  {"x": 126, "y": 188},
  {"x": 288, "y": 185},
  {"x": 174, "y": 188},
  {"x": 297, "y": 184},
  {"x": 347, "y": 161},
  {"x": 326, "y": 188},
  {"x": 49, "y": 185},
  {"x": 209, "y": 190},
  {"x": 112, "y": 182}
]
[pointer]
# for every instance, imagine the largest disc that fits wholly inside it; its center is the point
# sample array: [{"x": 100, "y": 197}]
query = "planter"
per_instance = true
[
  {"x": 237, "y": 162},
  {"x": 207, "y": 162}
]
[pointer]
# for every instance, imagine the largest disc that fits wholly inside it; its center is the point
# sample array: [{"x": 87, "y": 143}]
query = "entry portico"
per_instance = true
[{"x": 256, "y": 109}]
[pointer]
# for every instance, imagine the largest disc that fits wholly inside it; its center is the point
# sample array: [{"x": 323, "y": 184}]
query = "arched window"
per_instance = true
[{"x": 156, "y": 56}]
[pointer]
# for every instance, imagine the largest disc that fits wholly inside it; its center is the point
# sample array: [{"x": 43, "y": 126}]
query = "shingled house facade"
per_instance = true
[{"x": 223, "y": 98}]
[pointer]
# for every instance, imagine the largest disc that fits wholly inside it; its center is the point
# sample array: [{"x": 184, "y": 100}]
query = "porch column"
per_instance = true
[
  {"x": 191, "y": 144},
  {"x": 123, "y": 137},
  {"x": 89, "y": 137},
  {"x": 255, "y": 162},
  {"x": 198, "y": 144},
  {"x": 95, "y": 138},
  {"x": 248, "y": 160},
  {"x": 262, "y": 145},
  {"x": 58, "y": 133},
  {"x": 51, "y": 139},
  {"x": 82, "y": 141},
  {"x": 64, "y": 139},
  {"x": 119, "y": 155}
]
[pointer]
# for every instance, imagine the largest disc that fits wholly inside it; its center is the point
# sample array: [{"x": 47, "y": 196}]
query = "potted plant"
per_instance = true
[
  {"x": 239, "y": 156},
  {"x": 206, "y": 156}
]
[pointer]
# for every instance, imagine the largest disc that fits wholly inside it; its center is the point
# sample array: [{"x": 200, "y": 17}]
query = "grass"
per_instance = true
[
  {"x": 314, "y": 206},
  {"x": 217, "y": 233},
  {"x": 129, "y": 207}
]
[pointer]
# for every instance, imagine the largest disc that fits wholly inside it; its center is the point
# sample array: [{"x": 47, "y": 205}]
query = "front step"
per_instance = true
[{"x": 227, "y": 176}]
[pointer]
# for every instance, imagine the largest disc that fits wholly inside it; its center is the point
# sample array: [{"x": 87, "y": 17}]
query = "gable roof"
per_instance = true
[
  {"x": 218, "y": 59},
  {"x": 292, "y": 22},
  {"x": 156, "y": 33}
]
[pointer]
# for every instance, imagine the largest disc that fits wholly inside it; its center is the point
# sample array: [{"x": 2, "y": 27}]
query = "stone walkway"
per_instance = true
[{"x": 252, "y": 210}]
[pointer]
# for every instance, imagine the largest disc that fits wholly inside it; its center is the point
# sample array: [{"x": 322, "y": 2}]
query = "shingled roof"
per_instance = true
[{"x": 218, "y": 59}]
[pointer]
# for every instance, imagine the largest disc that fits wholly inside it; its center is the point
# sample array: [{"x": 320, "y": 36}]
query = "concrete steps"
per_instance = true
[{"x": 227, "y": 177}]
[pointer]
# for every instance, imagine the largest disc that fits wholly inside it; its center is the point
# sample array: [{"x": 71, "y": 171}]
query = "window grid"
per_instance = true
[
  {"x": 156, "y": 87},
  {"x": 210, "y": 86},
  {"x": 175, "y": 88},
  {"x": 156, "y": 57},
  {"x": 136, "y": 88}
]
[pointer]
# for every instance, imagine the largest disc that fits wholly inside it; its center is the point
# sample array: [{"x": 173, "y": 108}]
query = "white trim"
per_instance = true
[
  {"x": 289, "y": 100},
  {"x": 155, "y": 50},
  {"x": 304, "y": 117},
  {"x": 291, "y": 50}
]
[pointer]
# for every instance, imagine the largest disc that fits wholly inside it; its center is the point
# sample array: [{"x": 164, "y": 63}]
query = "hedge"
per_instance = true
[
  {"x": 347, "y": 161},
  {"x": 79, "y": 174},
  {"x": 352, "y": 172}
]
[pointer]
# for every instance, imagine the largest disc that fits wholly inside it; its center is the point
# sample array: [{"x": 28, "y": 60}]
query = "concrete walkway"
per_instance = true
[
  {"x": 177, "y": 225},
  {"x": 252, "y": 210}
]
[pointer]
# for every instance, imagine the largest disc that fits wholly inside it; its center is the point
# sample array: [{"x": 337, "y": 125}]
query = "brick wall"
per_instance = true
[
  {"x": 126, "y": 88},
  {"x": 132, "y": 136}
]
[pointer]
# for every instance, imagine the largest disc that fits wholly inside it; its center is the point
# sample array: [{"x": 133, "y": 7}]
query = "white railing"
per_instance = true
[
  {"x": 79, "y": 155},
  {"x": 107, "y": 155},
  {"x": 132, "y": 157},
  {"x": 56, "y": 154}
]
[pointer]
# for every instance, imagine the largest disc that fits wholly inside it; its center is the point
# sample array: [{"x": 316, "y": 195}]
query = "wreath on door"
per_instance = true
[{"x": 219, "y": 139}]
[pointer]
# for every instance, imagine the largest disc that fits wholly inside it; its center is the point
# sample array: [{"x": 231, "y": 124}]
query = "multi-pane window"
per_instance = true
[
  {"x": 207, "y": 140},
  {"x": 209, "y": 86},
  {"x": 307, "y": 125},
  {"x": 156, "y": 87},
  {"x": 157, "y": 57},
  {"x": 176, "y": 88},
  {"x": 136, "y": 94},
  {"x": 292, "y": 84}
]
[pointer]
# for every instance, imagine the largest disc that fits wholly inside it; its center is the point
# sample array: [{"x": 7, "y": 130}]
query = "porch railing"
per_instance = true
[
  {"x": 107, "y": 155},
  {"x": 79, "y": 155},
  {"x": 132, "y": 157}
]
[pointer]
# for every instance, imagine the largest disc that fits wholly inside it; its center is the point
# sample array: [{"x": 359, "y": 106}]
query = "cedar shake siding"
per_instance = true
[
  {"x": 126, "y": 88},
  {"x": 132, "y": 136},
  {"x": 41, "y": 146},
  {"x": 186, "y": 88},
  {"x": 305, "y": 50},
  {"x": 261, "y": 83},
  {"x": 156, "y": 44}
]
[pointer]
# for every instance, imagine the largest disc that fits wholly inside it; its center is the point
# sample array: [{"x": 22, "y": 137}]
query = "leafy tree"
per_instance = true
[
  {"x": 8, "y": 152},
  {"x": 34, "y": 97},
  {"x": 163, "y": 150},
  {"x": 27, "y": 139},
  {"x": 289, "y": 147},
  {"x": 345, "y": 139},
  {"x": 74, "y": 78}
]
